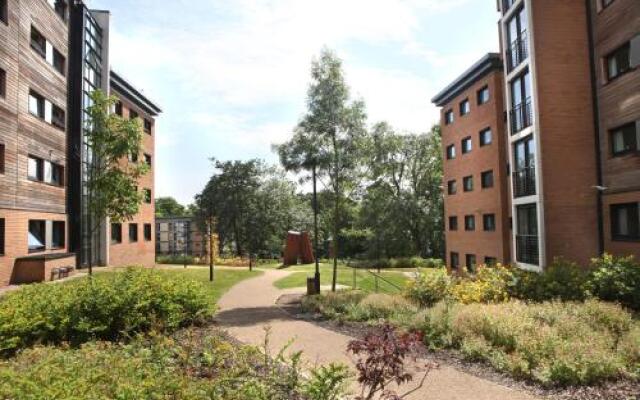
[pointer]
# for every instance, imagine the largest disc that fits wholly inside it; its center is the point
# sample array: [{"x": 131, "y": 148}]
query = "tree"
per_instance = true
[
  {"x": 337, "y": 124},
  {"x": 113, "y": 182},
  {"x": 169, "y": 207}
]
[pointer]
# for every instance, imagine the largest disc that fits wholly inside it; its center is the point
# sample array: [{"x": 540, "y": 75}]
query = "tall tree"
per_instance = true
[
  {"x": 339, "y": 123},
  {"x": 113, "y": 182},
  {"x": 169, "y": 207}
]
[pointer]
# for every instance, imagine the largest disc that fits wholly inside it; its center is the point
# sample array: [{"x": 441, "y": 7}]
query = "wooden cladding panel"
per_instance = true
[{"x": 20, "y": 132}]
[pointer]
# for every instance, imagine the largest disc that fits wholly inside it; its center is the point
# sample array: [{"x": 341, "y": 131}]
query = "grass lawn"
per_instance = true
[
  {"x": 224, "y": 279},
  {"x": 364, "y": 280}
]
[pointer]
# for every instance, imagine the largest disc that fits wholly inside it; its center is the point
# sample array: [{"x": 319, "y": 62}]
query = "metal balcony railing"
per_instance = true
[
  {"x": 506, "y": 5},
  {"x": 527, "y": 250},
  {"x": 518, "y": 51},
  {"x": 524, "y": 182},
  {"x": 521, "y": 116}
]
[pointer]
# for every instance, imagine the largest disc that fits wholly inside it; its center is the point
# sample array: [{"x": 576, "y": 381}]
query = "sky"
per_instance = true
[{"x": 231, "y": 76}]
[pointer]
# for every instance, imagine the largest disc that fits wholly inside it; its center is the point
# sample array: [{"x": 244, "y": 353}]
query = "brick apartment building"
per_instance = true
[
  {"x": 52, "y": 54},
  {"x": 568, "y": 132},
  {"x": 176, "y": 236}
]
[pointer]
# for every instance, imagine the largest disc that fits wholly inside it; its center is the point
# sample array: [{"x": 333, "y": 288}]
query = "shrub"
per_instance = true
[
  {"x": 489, "y": 285},
  {"x": 379, "y": 306},
  {"x": 358, "y": 306},
  {"x": 428, "y": 287},
  {"x": 177, "y": 260},
  {"x": 402, "y": 262},
  {"x": 551, "y": 343},
  {"x": 616, "y": 279},
  {"x": 562, "y": 280},
  {"x": 333, "y": 305},
  {"x": 108, "y": 306}
]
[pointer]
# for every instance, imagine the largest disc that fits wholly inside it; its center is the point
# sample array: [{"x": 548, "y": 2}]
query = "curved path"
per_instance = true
[{"x": 249, "y": 308}]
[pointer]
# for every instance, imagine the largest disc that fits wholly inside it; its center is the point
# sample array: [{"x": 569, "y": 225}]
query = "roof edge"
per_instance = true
[
  {"x": 488, "y": 63},
  {"x": 122, "y": 86}
]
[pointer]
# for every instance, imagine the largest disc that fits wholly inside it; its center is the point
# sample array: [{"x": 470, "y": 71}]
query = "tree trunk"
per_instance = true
[{"x": 336, "y": 168}]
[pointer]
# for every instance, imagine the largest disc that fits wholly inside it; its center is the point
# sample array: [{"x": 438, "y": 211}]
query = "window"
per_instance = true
[
  {"x": 4, "y": 12},
  {"x": 619, "y": 62},
  {"x": 147, "y": 160},
  {"x": 465, "y": 107},
  {"x": 521, "y": 111},
  {"x": 489, "y": 222},
  {"x": 469, "y": 223},
  {"x": 37, "y": 236},
  {"x": 1, "y": 236},
  {"x": 451, "y": 152},
  {"x": 467, "y": 183},
  {"x": 133, "y": 157},
  {"x": 625, "y": 222},
  {"x": 147, "y": 232},
  {"x": 490, "y": 261},
  {"x": 483, "y": 95},
  {"x": 486, "y": 137},
  {"x": 58, "y": 235},
  {"x": 3, "y": 83},
  {"x": 147, "y": 126},
  {"x": 133, "y": 232},
  {"x": 448, "y": 117},
  {"x": 1, "y": 158},
  {"x": 47, "y": 51},
  {"x": 487, "y": 179},
  {"x": 527, "y": 248},
  {"x": 36, "y": 104},
  {"x": 53, "y": 174},
  {"x": 60, "y": 7},
  {"x": 455, "y": 260},
  {"x": 453, "y": 223},
  {"x": 133, "y": 114},
  {"x": 624, "y": 140},
  {"x": 517, "y": 47},
  {"x": 452, "y": 187},
  {"x": 118, "y": 108},
  {"x": 116, "y": 233},
  {"x": 38, "y": 42},
  {"x": 471, "y": 262},
  {"x": 524, "y": 176},
  {"x": 58, "y": 117},
  {"x": 35, "y": 169},
  {"x": 147, "y": 196},
  {"x": 467, "y": 145}
]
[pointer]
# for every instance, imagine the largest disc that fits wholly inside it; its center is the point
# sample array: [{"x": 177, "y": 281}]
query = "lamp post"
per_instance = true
[{"x": 315, "y": 229}]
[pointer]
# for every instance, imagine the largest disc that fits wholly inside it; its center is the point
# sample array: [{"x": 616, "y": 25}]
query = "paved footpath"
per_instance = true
[{"x": 249, "y": 307}]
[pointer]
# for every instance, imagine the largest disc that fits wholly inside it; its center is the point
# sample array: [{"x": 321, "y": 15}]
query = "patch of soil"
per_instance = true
[{"x": 617, "y": 390}]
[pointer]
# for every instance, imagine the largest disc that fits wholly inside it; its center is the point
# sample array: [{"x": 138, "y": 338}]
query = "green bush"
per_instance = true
[
  {"x": 403, "y": 262},
  {"x": 551, "y": 343},
  {"x": 108, "y": 306},
  {"x": 428, "y": 287},
  {"x": 358, "y": 306},
  {"x": 562, "y": 280},
  {"x": 177, "y": 260},
  {"x": 616, "y": 279},
  {"x": 489, "y": 285}
]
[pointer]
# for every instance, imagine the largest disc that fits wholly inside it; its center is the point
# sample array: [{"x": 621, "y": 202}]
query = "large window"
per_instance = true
[
  {"x": 35, "y": 169},
  {"x": 133, "y": 232},
  {"x": 147, "y": 232},
  {"x": 45, "y": 171},
  {"x": 45, "y": 110},
  {"x": 455, "y": 260},
  {"x": 448, "y": 117},
  {"x": 469, "y": 223},
  {"x": 619, "y": 61},
  {"x": 471, "y": 262},
  {"x": 467, "y": 183},
  {"x": 465, "y": 107},
  {"x": 451, "y": 152},
  {"x": 452, "y": 187},
  {"x": 37, "y": 236},
  {"x": 46, "y": 50},
  {"x": 58, "y": 235},
  {"x": 518, "y": 49},
  {"x": 485, "y": 137},
  {"x": 116, "y": 233},
  {"x": 624, "y": 140},
  {"x": 625, "y": 221},
  {"x": 487, "y": 179},
  {"x": 527, "y": 234},
  {"x": 147, "y": 126},
  {"x": 467, "y": 145},
  {"x": 489, "y": 222},
  {"x": 148, "y": 159},
  {"x": 36, "y": 104},
  {"x": 521, "y": 111},
  {"x": 524, "y": 175},
  {"x": 453, "y": 223}
]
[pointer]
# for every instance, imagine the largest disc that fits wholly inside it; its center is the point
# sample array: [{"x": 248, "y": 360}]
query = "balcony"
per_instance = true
[
  {"x": 524, "y": 182},
  {"x": 517, "y": 52},
  {"x": 521, "y": 116},
  {"x": 527, "y": 250}
]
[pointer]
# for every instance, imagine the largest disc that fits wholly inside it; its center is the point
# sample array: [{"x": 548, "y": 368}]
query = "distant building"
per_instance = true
[
  {"x": 565, "y": 153},
  {"x": 177, "y": 236}
]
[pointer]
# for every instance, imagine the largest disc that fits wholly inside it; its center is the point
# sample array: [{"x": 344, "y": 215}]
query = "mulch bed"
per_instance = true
[{"x": 618, "y": 390}]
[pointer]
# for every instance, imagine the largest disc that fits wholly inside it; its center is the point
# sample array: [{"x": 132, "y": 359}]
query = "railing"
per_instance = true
[
  {"x": 368, "y": 280},
  {"x": 527, "y": 249},
  {"x": 524, "y": 182},
  {"x": 506, "y": 5},
  {"x": 518, "y": 51},
  {"x": 521, "y": 116}
]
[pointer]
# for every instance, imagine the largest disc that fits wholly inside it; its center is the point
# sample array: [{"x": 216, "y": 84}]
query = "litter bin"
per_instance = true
[{"x": 311, "y": 286}]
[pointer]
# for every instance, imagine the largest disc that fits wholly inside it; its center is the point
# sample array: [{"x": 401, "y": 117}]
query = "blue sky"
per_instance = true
[{"x": 232, "y": 75}]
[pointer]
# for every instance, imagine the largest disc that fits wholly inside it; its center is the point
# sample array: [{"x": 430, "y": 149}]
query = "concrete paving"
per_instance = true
[{"x": 249, "y": 308}]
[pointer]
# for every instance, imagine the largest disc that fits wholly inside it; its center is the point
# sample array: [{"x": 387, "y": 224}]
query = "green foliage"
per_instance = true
[
  {"x": 187, "y": 366},
  {"x": 357, "y": 306},
  {"x": 429, "y": 287},
  {"x": 109, "y": 307},
  {"x": 488, "y": 285},
  {"x": 113, "y": 187},
  {"x": 562, "y": 280},
  {"x": 616, "y": 279},
  {"x": 169, "y": 207},
  {"x": 176, "y": 260},
  {"x": 551, "y": 343},
  {"x": 401, "y": 262}
]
